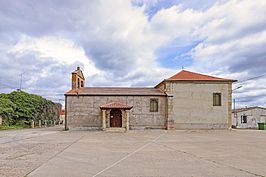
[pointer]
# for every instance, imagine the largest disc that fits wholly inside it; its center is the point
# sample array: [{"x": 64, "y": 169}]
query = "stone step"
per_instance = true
[{"x": 116, "y": 130}]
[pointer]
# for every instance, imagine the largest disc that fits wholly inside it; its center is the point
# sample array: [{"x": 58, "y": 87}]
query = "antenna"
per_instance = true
[{"x": 20, "y": 83}]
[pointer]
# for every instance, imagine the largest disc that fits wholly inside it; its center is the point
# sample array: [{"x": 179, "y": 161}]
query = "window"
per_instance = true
[
  {"x": 244, "y": 119},
  {"x": 78, "y": 83},
  {"x": 154, "y": 105},
  {"x": 217, "y": 99}
]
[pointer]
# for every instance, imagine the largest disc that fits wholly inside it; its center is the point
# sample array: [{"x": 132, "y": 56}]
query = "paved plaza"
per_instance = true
[{"x": 51, "y": 152}]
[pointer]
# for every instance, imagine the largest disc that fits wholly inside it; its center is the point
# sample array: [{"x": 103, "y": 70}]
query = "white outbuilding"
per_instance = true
[{"x": 249, "y": 117}]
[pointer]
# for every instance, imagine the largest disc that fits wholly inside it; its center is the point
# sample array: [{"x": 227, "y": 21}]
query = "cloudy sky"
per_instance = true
[{"x": 132, "y": 43}]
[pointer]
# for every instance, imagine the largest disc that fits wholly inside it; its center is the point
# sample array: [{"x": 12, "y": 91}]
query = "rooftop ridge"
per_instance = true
[
  {"x": 116, "y": 91},
  {"x": 142, "y": 87},
  {"x": 188, "y": 75},
  {"x": 248, "y": 108}
]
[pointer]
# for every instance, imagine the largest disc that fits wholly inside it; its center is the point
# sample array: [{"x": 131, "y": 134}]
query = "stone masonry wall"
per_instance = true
[
  {"x": 193, "y": 105},
  {"x": 83, "y": 112}
]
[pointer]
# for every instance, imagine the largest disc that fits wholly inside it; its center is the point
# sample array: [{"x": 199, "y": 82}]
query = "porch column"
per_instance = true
[
  {"x": 127, "y": 120},
  {"x": 104, "y": 119}
]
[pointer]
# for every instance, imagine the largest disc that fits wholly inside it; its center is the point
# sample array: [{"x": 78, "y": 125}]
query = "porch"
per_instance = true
[{"x": 115, "y": 117}]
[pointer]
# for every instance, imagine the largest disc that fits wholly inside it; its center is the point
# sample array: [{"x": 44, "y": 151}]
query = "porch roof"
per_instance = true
[{"x": 115, "y": 105}]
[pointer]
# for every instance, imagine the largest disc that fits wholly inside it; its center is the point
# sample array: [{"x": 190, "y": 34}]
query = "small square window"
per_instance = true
[
  {"x": 244, "y": 119},
  {"x": 217, "y": 99},
  {"x": 154, "y": 105}
]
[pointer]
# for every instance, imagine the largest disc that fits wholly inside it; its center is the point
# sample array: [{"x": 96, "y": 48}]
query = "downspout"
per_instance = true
[
  {"x": 66, "y": 123},
  {"x": 166, "y": 112}
]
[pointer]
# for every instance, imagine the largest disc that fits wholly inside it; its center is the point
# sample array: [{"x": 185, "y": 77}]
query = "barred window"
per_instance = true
[
  {"x": 154, "y": 105},
  {"x": 217, "y": 99}
]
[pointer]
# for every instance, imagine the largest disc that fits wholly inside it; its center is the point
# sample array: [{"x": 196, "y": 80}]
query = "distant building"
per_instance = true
[
  {"x": 249, "y": 117},
  {"x": 62, "y": 116},
  {"x": 186, "y": 100}
]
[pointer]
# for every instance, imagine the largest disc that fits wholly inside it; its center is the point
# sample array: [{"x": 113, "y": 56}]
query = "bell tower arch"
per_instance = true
[{"x": 78, "y": 80}]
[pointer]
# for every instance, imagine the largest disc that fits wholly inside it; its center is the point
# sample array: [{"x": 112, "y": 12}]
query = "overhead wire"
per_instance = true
[{"x": 252, "y": 78}]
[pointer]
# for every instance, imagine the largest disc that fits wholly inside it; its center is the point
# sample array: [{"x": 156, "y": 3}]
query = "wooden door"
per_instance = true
[{"x": 116, "y": 118}]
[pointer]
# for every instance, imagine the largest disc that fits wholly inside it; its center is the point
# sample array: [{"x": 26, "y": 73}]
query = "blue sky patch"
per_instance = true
[
  {"x": 153, "y": 7},
  {"x": 175, "y": 54}
]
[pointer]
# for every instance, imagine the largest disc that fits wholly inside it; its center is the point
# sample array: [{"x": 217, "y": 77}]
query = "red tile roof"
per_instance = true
[
  {"x": 117, "y": 91},
  {"x": 62, "y": 112},
  {"x": 115, "y": 105},
  {"x": 247, "y": 109},
  {"x": 191, "y": 76}
]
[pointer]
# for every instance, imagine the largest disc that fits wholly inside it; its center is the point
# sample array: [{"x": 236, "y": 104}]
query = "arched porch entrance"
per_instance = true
[{"x": 115, "y": 115}]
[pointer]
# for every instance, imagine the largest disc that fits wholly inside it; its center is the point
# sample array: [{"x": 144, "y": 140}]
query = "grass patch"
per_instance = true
[{"x": 11, "y": 127}]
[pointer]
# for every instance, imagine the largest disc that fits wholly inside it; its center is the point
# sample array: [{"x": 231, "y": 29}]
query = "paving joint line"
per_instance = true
[
  {"x": 208, "y": 160},
  {"x": 50, "y": 158},
  {"x": 130, "y": 154}
]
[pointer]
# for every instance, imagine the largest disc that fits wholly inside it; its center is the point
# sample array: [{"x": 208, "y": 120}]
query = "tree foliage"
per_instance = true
[{"x": 21, "y": 107}]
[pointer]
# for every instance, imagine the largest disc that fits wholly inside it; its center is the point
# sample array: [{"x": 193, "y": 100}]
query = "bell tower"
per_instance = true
[{"x": 78, "y": 80}]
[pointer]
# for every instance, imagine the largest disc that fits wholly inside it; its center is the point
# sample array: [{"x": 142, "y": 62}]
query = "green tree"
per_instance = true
[
  {"x": 20, "y": 108},
  {"x": 7, "y": 110}
]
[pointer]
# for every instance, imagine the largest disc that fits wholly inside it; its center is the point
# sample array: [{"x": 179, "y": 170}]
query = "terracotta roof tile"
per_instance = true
[
  {"x": 247, "y": 109},
  {"x": 115, "y": 105},
  {"x": 189, "y": 76},
  {"x": 62, "y": 112},
  {"x": 116, "y": 91}
]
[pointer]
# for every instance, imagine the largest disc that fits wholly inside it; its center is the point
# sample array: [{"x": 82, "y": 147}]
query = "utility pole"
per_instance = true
[
  {"x": 234, "y": 100},
  {"x": 235, "y": 116}
]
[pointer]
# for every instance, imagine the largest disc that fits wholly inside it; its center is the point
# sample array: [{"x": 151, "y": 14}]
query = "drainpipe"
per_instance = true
[{"x": 66, "y": 126}]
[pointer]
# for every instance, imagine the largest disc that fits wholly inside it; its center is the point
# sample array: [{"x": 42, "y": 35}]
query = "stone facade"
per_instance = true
[
  {"x": 185, "y": 101},
  {"x": 83, "y": 112},
  {"x": 193, "y": 104}
]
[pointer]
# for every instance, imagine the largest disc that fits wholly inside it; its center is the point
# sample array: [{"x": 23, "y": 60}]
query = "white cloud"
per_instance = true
[
  {"x": 60, "y": 50},
  {"x": 175, "y": 22},
  {"x": 116, "y": 42},
  {"x": 233, "y": 38}
]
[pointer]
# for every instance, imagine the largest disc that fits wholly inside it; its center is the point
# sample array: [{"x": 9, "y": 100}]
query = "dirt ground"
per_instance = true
[{"x": 53, "y": 152}]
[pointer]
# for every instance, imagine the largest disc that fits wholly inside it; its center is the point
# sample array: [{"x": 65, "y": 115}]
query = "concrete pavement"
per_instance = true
[{"x": 148, "y": 153}]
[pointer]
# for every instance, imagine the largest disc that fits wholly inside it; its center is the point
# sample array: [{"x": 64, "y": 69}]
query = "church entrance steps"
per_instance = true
[{"x": 115, "y": 129}]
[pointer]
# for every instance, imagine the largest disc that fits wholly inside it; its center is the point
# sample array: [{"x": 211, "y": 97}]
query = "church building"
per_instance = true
[{"x": 186, "y": 100}]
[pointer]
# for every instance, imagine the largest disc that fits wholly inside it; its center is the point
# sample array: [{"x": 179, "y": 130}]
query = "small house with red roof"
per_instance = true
[
  {"x": 62, "y": 116},
  {"x": 186, "y": 100}
]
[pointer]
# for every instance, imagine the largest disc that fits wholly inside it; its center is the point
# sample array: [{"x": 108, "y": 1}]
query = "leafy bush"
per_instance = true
[
  {"x": 19, "y": 108},
  {"x": 7, "y": 110}
]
